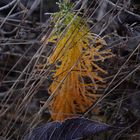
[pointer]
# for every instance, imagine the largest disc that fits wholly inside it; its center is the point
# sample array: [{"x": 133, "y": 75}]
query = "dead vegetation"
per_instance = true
[{"x": 26, "y": 73}]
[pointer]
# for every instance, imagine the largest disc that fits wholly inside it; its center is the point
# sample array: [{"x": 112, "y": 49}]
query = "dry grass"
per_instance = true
[{"x": 29, "y": 68}]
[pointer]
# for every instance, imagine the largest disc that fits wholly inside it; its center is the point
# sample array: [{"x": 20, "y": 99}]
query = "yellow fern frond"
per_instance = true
[{"x": 77, "y": 46}]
